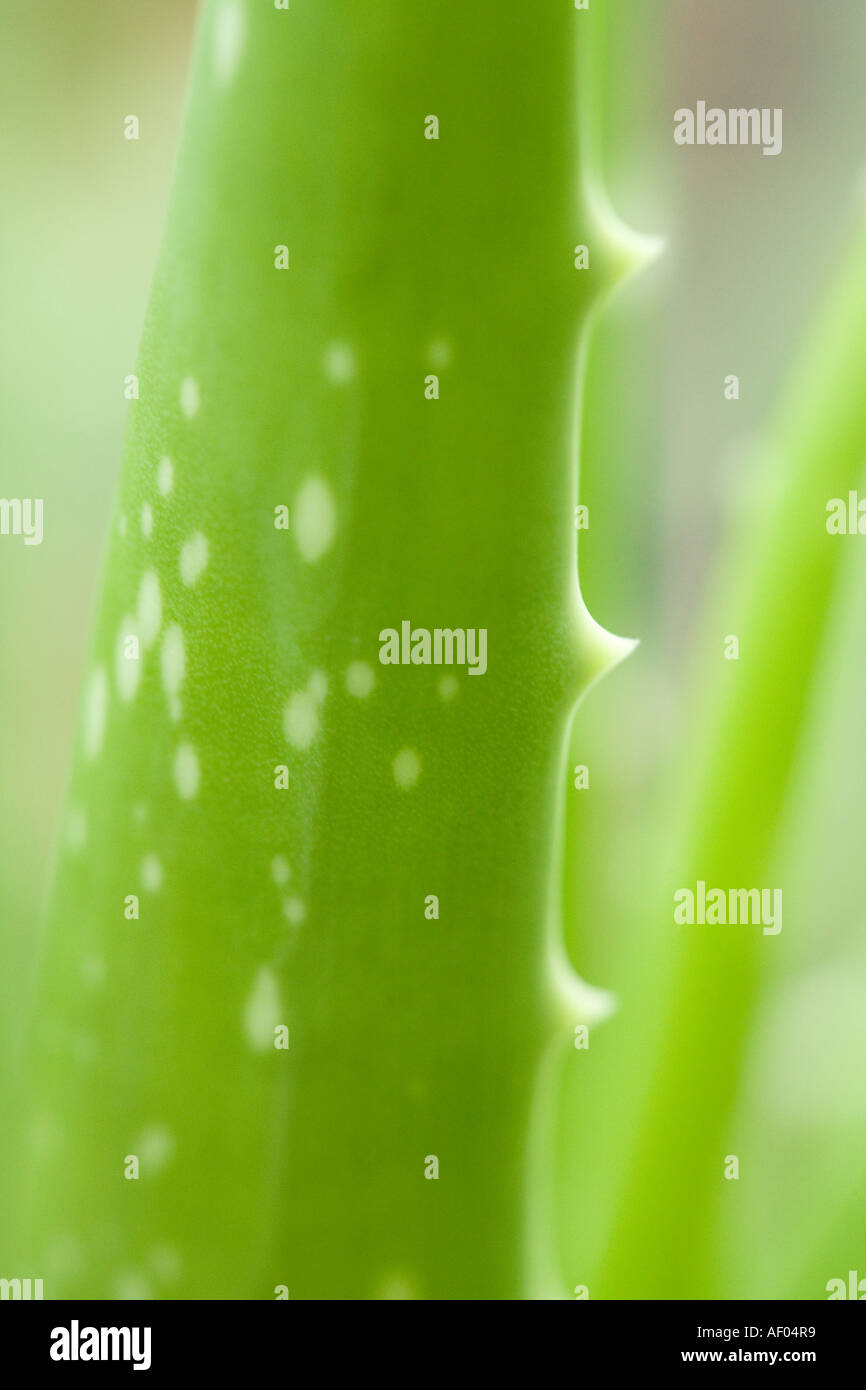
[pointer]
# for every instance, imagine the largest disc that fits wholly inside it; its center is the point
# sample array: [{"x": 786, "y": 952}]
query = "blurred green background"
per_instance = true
[
  {"x": 675, "y": 475},
  {"x": 83, "y": 212},
  {"x": 668, "y": 471}
]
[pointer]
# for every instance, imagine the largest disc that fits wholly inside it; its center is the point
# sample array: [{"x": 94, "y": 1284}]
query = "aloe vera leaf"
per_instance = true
[{"x": 303, "y": 1169}]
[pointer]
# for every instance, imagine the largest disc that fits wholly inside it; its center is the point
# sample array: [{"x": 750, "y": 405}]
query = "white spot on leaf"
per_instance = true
[
  {"x": 262, "y": 1011},
  {"x": 360, "y": 679},
  {"x": 315, "y": 519},
  {"x": 407, "y": 768},
  {"x": 155, "y": 1149},
  {"x": 165, "y": 476},
  {"x": 186, "y": 771},
  {"x": 193, "y": 558},
  {"x": 151, "y": 873},
  {"x": 440, "y": 352},
  {"x": 130, "y": 1286},
  {"x": 339, "y": 363},
  {"x": 280, "y": 871},
  {"x": 95, "y": 712},
  {"x": 397, "y": 1287},
  {"x": 189, "y": 398},
  {"x": 294, "y": 911},
  {"x": 127, "y": 660},
  {"x": 301, "y": 719}
]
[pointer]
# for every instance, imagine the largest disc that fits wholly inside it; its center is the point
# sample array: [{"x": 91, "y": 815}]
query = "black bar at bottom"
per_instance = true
[{"x": 215, "y": 1340}]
